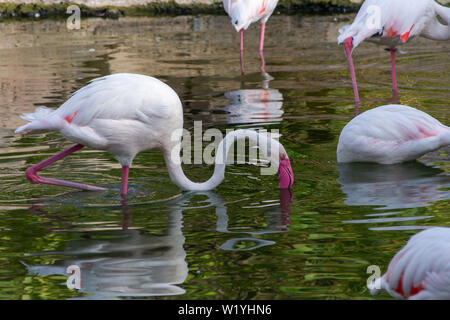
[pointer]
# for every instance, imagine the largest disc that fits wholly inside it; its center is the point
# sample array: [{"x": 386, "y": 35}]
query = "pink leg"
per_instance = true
[
  {"x": 242, "y": 51},
  {"x": 394, "y": 77},
  {"x": 263, "y": 62},
  {"x": 124, "y": 185},
  {"x": 348, "y": 49},
  {"x": 261, "y": 41},
  {"x": 34, "y": 178}
]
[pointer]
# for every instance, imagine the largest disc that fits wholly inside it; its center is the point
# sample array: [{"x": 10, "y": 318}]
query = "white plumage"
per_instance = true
[
  {"x": 390, "y": 23},
  {"x": 245, "y": 12},
  {"x": 421, "y": 270},
  {"x": 398, "y": 20},
  {"x": 113, "y": 109},
  {"x": 391, "y": 134},
  {"x": 126, "y": 114}
]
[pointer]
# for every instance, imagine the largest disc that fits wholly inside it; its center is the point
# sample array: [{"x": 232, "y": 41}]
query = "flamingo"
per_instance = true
[
  {"x": 391, "y": 134},
  {"x": 245, "y": 12},
  {"x": 421, "y": 269},
  {"x": 391, "y": 23},
  {"x": 125, "y": 114}
]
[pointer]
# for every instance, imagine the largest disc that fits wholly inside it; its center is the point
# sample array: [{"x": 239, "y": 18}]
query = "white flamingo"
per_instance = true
[
  {"x": 391, "y": 134},
  {"x": 125, "y": 114},
  {"x": 391, "y": 23},
  {"x": 243, "y": 13},
  {"x": 421, "y": 270}
]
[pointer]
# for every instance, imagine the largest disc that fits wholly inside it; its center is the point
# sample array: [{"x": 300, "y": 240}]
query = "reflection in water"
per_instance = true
[
  {"x": 255, "y": 105},
  {"x": 132, "y": 263},
  {"x": 276, "y": 218},
  {"x": 399, "y": 186},
  {"x": 127, "y": 262},
  {"x": 405, "y": 185}
]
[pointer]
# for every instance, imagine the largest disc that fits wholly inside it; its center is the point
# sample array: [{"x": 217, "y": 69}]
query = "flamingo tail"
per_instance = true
[{"x": 38, "y": 120}]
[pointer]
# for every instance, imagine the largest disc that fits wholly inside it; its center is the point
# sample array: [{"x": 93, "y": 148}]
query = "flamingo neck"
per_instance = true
[
  {"x": 436, "y": 30},
  {"x": 348, "y": 49},
  {"x": 176, "y": 173}
]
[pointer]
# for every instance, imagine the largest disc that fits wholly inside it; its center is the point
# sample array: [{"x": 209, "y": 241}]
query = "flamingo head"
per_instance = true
[
  {"x": 239, "y": 19},
  {"x": 285, "y": 173}
]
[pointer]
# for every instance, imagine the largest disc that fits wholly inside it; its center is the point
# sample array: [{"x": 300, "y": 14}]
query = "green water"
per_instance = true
[{"x": 245, "y": 239}]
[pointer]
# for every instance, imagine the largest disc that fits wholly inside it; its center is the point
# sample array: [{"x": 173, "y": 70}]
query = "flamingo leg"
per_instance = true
[
  {"x": 242, "y": 51},
  {"x": 31, "y": 172},
  {"x": 394, "y": 77},
  {"x": 263, "y": 62},
  {"x": 124, "y": 185},
  {"x": 261, "y": 48},
  {"x": 348, "y": 49},
  {"x": 261, "y": 41}
]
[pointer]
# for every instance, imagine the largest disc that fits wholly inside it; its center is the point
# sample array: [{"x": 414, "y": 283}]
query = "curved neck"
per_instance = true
[
  {"x": 173, "y": 159},
  {"x": 436, "y": 30}
]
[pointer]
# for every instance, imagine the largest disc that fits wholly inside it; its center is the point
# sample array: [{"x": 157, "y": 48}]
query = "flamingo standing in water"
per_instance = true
[
  {"x": 391, "y": 23},
  {"x": 245, "y": 12},
  {"x": 125, "y": 114},
  {"x": 391, "y": 134},
  {"x": 421, "y": 270}
]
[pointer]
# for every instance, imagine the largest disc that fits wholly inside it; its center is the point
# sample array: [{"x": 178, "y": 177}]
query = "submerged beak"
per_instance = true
[{"x": 285, "y": 174}]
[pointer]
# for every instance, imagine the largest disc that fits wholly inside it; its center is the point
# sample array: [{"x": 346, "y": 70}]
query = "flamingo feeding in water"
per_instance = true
[
  {"x": 391, "y": 23},
  {"x": 245, "y": 12},
  {"x": 125, "y": 114},
  {"x": 421, "y": 270},
  {"x": 391, "y": 134}
]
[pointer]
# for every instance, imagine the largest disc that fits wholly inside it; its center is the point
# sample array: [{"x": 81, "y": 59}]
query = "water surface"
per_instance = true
[{"x": 245, "y": 239}]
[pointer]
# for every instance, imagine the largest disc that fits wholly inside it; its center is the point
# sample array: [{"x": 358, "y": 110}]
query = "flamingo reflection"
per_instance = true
[
  {"x": 391, "y": 187},
  {"x": 255, "y": 105},
  {"x": 133, "y": 263}
]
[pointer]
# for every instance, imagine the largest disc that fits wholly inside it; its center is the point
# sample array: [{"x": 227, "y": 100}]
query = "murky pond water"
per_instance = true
[{"x": 246, "y": 239}]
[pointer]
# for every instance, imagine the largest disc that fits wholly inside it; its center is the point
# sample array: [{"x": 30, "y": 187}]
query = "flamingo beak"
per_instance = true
[{"x": 285, "y": 173}]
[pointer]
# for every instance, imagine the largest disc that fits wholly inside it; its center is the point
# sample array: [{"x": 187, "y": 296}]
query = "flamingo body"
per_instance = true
[
  {"x": 112, "y": 110},
  {"x": 399, "y": 21},
  {"x": 391, "y": 134},
  {"x": 421, "y": 269},
  {"x": 391, "y": 23},
  {"x": 244, "y": 12},
  {"x": 125, "y": 114}
]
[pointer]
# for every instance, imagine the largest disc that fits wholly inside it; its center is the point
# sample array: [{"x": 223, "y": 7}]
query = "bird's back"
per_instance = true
[
  {"x": 391, "y": 134},
  {"x": 121, "y": 96},
  {"x": 121, "y": 113}
]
